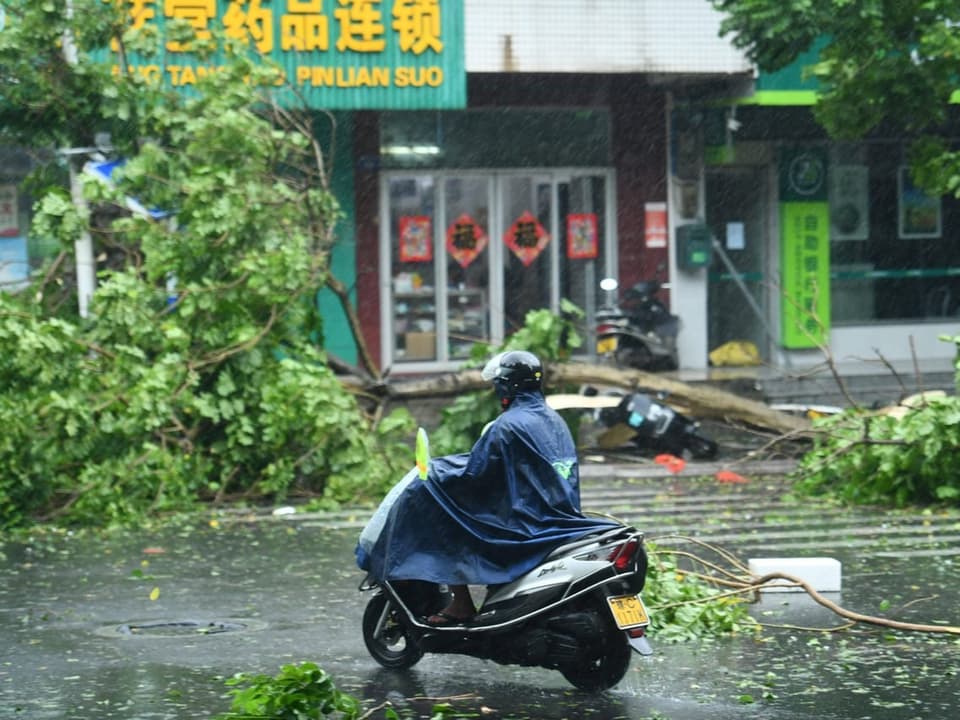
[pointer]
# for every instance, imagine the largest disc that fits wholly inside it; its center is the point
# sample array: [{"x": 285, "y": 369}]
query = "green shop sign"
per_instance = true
[
  {"x": 336, "y": 54},
  {"x": 804, "y": 248}
]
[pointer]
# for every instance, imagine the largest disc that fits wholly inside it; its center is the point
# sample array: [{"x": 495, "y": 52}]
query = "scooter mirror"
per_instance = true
[{"x": 609, "y": 284}]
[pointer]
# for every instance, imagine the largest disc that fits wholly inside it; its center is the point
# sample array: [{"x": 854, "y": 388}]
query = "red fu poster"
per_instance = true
[
  {"x": 465, "y": 240},
  {"x": 526, "y": 238},
  {"x": 582, "y": 236},
  {"x": 416, "y": 239}
]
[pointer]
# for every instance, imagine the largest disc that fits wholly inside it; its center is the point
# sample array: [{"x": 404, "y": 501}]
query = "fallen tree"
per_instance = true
[{"x": 700, "y": 400}]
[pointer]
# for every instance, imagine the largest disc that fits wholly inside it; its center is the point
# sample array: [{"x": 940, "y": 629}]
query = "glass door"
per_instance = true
[
  {"x": 466, "y": 211},
  {"x": 526, "y": 223},
  {"x": 581, "y": 232},
  {"x": 413, "y": 271},
  {"x": 466, "y": 255},
  {"x": 737, "y": 307}
]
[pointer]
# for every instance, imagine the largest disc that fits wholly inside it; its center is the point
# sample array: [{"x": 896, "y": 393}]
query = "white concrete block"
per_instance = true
[{"x": 822, "y": 573}]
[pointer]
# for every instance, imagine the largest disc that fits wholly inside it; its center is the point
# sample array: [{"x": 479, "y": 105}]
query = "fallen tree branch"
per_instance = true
[
  {"x": 850, "y": 614},
  {"x": 700, "y": 400}
]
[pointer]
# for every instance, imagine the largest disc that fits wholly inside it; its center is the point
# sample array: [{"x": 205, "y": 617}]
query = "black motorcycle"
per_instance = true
[
  {"x": 638, "y": 331},
  {"x": 578, "y": 612},
  {"x": 654, "y": 426}
]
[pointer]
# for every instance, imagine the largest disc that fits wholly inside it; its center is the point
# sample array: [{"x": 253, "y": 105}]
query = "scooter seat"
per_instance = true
[{"x": 590, "y": 538}]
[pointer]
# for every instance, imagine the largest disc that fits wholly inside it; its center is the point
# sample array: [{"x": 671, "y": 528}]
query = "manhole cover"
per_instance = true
[{"x": 179, "y": 628}]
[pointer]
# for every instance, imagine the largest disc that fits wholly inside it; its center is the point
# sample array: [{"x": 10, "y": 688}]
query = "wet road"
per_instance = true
[{"x": 251, "y": 593}]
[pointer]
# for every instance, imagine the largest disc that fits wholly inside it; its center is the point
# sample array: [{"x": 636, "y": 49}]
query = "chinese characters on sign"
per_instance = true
[
  {"x": 526, "y": 238},
  {"x": 327, "y": 49},
  {"x": 805, "y": 247},
  {"x": 806, "y": 274},
  {"x": 465, "y": 240},
  {"x": 416, "y": 238},
  {"x": 582, "y": 236}
]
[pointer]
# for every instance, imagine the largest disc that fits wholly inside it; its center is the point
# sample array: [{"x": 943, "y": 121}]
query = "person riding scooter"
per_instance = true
[{"x": 488, "y": 516}]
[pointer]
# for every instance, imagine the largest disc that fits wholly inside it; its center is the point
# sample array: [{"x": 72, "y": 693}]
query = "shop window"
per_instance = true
[{"x": 893, "y": 257}]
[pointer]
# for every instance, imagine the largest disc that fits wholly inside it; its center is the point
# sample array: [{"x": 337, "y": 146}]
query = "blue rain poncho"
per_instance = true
[{"x": 487, "y": 516}]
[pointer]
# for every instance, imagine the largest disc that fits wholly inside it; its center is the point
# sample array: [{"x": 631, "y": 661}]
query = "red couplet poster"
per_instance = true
[
  {"x": 581, "y": 236},
  {"x": 526, "y": 238},
  {"x": 655, "y": 225},
  {"x": 465, "y": 240},
  {"x": 416, "y": 238}
]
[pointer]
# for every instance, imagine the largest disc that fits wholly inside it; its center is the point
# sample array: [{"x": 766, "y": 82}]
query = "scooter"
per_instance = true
[
  {"x": 578, "y": 612},
  {"x": 642, "y": 419},
  {"x": 638, "y": 331},
  {"x": 654, "y": 426}
]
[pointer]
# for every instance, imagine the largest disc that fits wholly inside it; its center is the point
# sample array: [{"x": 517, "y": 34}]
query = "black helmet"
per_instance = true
[{"x": 512, "y": 372}]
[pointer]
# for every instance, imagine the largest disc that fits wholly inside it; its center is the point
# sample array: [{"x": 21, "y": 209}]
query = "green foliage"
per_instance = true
[
  {"x": 867, "y": 458},
  {"x": 550, "y": 337},
  {"x": 208, "y": 390},
  {"x": 683, "y": 607},
  {"x": 890, "y": 62},
  {"x": 297, "y": 692}
]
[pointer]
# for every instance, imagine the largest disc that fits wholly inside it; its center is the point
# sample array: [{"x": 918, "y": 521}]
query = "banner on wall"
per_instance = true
[
  {"x": 416, "y": 238},
  {"x": 582, "y": 236},
  {"x": 9, "y": 211},
  {"x": 526, "y": 238},
  {"x": 655, "y": 225},
  {"x": 465, "y": 240},
  {"x": 805, "y": 248}
]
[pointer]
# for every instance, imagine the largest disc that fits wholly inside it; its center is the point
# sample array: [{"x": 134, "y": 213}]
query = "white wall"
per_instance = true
[{"x": 597, "y": 36}]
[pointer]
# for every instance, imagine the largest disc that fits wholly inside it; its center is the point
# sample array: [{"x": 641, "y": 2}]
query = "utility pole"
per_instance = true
[{"x": 83, "y": 246}]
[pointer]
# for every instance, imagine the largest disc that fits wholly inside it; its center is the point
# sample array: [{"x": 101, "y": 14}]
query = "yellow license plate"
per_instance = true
[
  {"x": 628, "y": 611},
  {"x": 606, "y": 345}
]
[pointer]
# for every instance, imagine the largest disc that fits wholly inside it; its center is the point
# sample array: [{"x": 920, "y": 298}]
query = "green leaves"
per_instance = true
[
  {"x": 867, "y": 458},
  {"x": 212, "y": 381},
  {"x": 876, "y": 62},
  {"x": 297, "y": 692}
]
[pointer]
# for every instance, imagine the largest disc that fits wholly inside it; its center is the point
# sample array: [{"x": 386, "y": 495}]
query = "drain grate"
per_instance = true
[{"x": 175, "y": 628}]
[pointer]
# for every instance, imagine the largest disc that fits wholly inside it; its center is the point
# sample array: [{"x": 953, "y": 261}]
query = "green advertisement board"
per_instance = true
[
  {"x": 335, "y": 54},
  {"x": 804, "y": 248}
]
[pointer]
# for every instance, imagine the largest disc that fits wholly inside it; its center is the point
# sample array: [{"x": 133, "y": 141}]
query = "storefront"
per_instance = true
[
  {"x": 472, "y": 242},
  {"x": 490, "y": 158},
  {"x": 824, "y": 244}
]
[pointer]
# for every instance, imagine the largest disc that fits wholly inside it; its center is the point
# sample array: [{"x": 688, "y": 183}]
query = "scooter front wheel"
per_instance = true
[{"x": 387, "y": 638}]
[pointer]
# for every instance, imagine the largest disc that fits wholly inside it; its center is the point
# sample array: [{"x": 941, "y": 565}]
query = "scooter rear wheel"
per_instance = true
[
  {"x": 606, "y": 665},
  {"x": 387, "y": 638}
]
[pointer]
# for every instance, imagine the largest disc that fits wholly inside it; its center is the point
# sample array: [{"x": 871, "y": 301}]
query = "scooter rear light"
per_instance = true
[
  {"x": 622, "y": 555},
  {"x": 637, "y": 632},
  {"x": 606, "y": 329}
]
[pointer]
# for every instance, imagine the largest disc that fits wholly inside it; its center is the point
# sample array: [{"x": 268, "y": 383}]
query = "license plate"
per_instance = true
[
  {"x": 628, "y": 611},
  {"x": 606, "y": 345}
]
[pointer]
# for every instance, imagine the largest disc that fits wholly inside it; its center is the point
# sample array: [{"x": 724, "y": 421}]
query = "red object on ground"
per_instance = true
[
  {"x": 671, "y": 462},
  {"x": 728, "y": 476}
]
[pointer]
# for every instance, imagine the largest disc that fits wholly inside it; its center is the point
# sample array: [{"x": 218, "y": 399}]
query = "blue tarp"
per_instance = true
[{"x": 487, "y": 516}]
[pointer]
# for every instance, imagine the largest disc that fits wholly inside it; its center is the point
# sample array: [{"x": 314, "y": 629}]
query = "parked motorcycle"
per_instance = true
[
  {"x": 578, "y": 612},
  {"x": 638, "y": 331}
]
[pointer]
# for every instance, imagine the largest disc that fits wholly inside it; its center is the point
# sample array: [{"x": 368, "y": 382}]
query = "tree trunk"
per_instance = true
[{"x": 701, "y": 401}]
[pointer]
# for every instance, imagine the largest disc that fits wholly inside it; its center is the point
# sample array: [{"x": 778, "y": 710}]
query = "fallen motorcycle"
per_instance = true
[
  {"x": 642, "y": 420},
  {"x": 650, "y": 424},
  {"x": 578, "y": 612}
]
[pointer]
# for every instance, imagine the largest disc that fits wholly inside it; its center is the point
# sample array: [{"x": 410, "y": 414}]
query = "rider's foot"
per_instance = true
[{"x": 444, "y": 617}]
